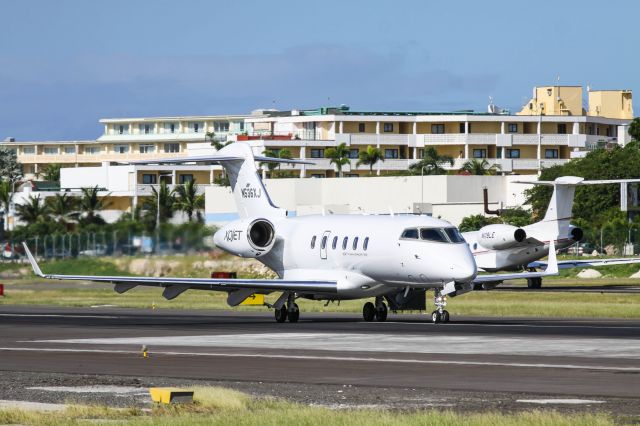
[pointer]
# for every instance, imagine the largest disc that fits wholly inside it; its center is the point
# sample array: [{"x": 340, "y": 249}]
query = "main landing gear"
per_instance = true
[
  {"x": 378, "y": 311},
  {"x": 534, "y": 282},
  {"x": 440, "y": 314},
  {"x": 290, "y": 311}
]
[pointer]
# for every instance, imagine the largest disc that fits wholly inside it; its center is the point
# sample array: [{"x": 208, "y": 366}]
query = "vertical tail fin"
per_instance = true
[
  {"x": 561, "y": 204},
  {"x": 248, "y": 190}
]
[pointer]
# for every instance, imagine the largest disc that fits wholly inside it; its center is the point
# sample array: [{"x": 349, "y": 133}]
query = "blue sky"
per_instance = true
[{"x": 66, "y": 64}]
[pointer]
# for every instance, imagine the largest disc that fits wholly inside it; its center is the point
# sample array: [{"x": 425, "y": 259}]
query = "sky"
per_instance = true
[{"x": 66, "y": 64}]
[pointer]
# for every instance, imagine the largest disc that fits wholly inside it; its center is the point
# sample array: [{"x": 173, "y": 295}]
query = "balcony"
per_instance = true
[{"x": 146, "y": 190}]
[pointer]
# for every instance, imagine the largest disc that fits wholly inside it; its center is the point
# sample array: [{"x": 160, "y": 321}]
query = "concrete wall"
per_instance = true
[{"x": 451, "y": 197}]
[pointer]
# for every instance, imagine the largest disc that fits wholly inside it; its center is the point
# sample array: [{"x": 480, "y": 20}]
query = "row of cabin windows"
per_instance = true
[{"x": 345, "y": 243}]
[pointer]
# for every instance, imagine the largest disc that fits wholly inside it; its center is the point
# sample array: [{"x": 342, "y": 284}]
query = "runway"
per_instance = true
[{"x": 588, "y": 359}]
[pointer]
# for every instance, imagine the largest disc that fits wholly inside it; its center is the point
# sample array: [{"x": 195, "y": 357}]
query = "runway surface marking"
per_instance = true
[
  {"x": 336, "y": 358},
  {"x": 59, "y": 316},
  {"x": 428, "y": 323},
  {"x": 94, "y": 389},
  {"x": 560, "y": 401},
  {"x": 458, "y": 345}
]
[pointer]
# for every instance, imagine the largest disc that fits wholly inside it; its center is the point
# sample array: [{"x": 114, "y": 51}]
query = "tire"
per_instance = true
[
  {"x": 435, "y": 317},
  {"x": 534, "y": 283},
  {"x": 281, "y": 314},
  {"x": 445, "y": 317},
  {"x": 368, "y": 312},
  {"x": 381, "y": 312},
  {"x": 294, "y": 314}
]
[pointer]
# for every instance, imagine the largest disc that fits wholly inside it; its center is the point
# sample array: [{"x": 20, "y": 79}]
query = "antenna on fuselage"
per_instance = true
[{"x": 391, "y": 211}]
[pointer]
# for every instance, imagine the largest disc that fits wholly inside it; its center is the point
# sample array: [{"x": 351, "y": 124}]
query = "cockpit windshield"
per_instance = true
[{"x": 438, "y": 235}]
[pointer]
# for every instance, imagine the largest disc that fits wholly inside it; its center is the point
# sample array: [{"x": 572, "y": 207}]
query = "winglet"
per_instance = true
[
  {"x": 552, "y": 265},
  {"x": 32, "y": 260}
]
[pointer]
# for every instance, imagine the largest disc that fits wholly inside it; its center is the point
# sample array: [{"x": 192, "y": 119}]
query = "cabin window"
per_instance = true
[
  {"x": 323, "y": 245},
  {"x": 433, "y": 234},
  {"x": 411, "y": 233},
  {"x": 313, "y": 242},
  {"x": 454, "y": 235},
  {"x": 334, "y": 244},
  {"x": 344, "y": 243},
  {"x": 355, "y": 243},
  {"x": 365, "y": 245}
]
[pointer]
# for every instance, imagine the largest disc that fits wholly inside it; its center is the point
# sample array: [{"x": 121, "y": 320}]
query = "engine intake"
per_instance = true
[
  {"x": 499, "y": 237},
  {"x": 576, "y": 233},
  {"x": 261, "y": 233},
  {"x": 246, "y": 238}
]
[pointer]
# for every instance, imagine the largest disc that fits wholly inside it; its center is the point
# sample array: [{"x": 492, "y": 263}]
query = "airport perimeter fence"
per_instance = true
[{"x": 115, "y": 243}]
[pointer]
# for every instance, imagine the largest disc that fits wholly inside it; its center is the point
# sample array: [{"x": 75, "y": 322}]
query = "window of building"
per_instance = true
[
  {"x": 185, "y": 179},
  {"x": 513, "y": 127},
  {"x": 365, "y": 245},
  {"x": 221, "y": 126},
  {"x": 69, "y": 149},
  {"x": 149, "y": 179},
  {"x": 479, "y": 153},
  {"x": 345, "y": 241},
  {"x": 513, "y": 153},
  {"x": 353, "y": 153},
  {"x": 241, "y": 125},
  {"x": 411, "y": 233},
  {"x": 318, "y": 175},
  {"x": 121, "y": 149},
  {"x": 361, "y": 128},
  {"x": 317, "y": 153},
  {"x": 50, "y": 150},
  {"x": 29, "y": 150},
  {"x": 437, "y": 128},
  {"x": 562, "y": 128},
  {"x": 351, "y": 175},
  {"x": 462, "y": 127},
  {"x": 170, "y": 127},
  {"x": 147, "y": 148},
  {"x": 388, "y": 127},
  {"x": 13, "y": 150},
  {"x": 313, "y": 242},
  {"x": 390, "y": 153},
  {"x": 334, "y": 244},
  {"x": 551, "y": 153},
  {"x": 146, "y": 128},
  {"x": 92, "y": 150},
  {"x": 171, "y": 147},
  {"x": 355, "y": 243}
]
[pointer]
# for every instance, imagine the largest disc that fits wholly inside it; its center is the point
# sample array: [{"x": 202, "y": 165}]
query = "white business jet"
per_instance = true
[
  {"x": 331, "y": 258},
  {"x": 504, "y": 247}
]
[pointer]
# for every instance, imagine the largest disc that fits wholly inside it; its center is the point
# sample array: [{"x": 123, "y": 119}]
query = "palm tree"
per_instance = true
[
  {"x": 51, "y": 173},
  {"x": 431, "y": 163},
  {"x": 165, "y": 198},
  {"x": 90, "y": 205},
  {"x": 270, "y": 165},
  {"x": 480, "y": 168},
  {"x": 339, "y": 156},
  {"x": 5, "y": 200},
  {"x": 188, "y": 200},
  {"x": 32, "y": 211},
  {"x": 370, "y": 157},
  {"x": 218, "y": 145},
  {"x": 62, "y": 206}
]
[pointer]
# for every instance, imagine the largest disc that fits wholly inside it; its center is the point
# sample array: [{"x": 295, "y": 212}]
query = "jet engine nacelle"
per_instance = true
[
  {"x": 499, "y": 237},
  {"x": 246, "y": 238},
  {"x": 576, "y": 233}
]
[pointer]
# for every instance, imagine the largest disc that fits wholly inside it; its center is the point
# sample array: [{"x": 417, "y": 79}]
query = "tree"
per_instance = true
[
  {"x": 370, "y": 157},
  {"x": 432, "y": 163},
  {"x": 32, "y": 211},
  {"x": 271, "y": 166},
  {"x": 62, "y": 206},
  {"x": 480, "y": 168},
  {"x": 164, "y": 197},
  {"x": 189, "y": 201},
  {"x": 51, "y": 173},
  {"x": 634, "y": 129},
  {"x": 10, "y": 169},
  {"x": 90, "y": 204},
  {"x": 339, "y": 156},
  {"x": 477, "y": 221},
  {"x": 217, "y": 144},
  {"x": 5, "y": 200},
  {"x": 516, "y": 217}
]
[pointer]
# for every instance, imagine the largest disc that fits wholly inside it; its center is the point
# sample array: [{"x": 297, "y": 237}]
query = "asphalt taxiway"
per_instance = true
[{"x": 592, "y": 360}]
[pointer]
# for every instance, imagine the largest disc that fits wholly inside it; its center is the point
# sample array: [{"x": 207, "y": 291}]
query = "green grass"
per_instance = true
[{"x": 217, "y": 406}]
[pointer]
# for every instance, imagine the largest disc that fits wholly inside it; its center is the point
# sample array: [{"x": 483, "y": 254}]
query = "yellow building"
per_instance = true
[{"x": 611, "y": 103}]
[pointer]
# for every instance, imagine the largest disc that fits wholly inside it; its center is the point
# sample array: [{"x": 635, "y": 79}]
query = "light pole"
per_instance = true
[{"x": 158, "y": 221}]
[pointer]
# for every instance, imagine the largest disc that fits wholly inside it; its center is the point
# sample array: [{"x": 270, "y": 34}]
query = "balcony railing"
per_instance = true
[{"x": 147, "y": 189}]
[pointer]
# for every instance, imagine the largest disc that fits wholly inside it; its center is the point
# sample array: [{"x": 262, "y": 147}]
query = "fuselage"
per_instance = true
[{"x": 367, "y": 255}]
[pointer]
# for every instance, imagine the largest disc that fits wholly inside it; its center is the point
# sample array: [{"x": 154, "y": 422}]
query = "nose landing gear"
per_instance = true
[{"x": 440, "y": 314}]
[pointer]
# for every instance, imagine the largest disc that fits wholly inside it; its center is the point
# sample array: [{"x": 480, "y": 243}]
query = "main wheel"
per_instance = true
[
  {"x": 435, "y": 317},
  {"x": 445, "y": 316},
  {"x": 281, "y": 314},
  {"x": 368, "y": 311},
  {"x": 534, "y": 282},
  {"x": 294, "y": 313},
  {"x": 381, "y": 312}
]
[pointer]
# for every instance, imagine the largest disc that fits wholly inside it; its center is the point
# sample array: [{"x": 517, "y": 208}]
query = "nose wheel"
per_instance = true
[{"x": 440, "y": 314}]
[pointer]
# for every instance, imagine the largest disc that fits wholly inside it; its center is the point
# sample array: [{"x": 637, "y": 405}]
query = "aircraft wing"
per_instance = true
[
  {"x": 551, "y": 269},
  {"x": 566, "y": 264},
  {"x": 175, "y": 286}
]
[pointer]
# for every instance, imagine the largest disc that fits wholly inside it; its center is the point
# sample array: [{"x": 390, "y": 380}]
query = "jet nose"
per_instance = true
[{"x": 464, "y": 271}]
